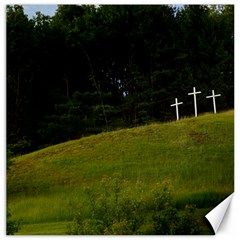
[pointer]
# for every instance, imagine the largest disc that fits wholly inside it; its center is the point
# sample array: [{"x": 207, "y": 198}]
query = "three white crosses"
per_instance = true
[{"x": 194, "y": 93}]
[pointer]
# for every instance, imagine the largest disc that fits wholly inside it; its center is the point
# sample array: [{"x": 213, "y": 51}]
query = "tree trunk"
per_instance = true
[{"x": 93, "y": 78}]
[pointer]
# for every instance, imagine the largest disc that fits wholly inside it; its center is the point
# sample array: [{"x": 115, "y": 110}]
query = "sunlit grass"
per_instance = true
[
  {"x": 49, "y": 228},
  {"x": 195, "y": 154}
]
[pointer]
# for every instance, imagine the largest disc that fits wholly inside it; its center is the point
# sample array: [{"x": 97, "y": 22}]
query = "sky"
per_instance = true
[
  {"x": 46, "y": 9},
  {"x": 50, "y": 9}
]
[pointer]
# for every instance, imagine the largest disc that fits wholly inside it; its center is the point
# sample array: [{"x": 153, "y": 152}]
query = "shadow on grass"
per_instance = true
[{"x": 201, "y": 199}]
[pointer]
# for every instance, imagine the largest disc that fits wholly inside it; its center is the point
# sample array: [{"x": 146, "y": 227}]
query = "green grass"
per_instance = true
[
  {"x": 50, "y": 228},
  {"x": 195, "y": 154}
]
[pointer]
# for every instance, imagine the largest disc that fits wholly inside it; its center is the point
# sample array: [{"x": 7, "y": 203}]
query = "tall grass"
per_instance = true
[
  {"x": 48, "y": 207},
  {"x": 196, "y": 154}
]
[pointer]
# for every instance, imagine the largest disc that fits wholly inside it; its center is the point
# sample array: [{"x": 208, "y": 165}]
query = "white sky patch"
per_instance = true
[{"x": 31, "y": 9}]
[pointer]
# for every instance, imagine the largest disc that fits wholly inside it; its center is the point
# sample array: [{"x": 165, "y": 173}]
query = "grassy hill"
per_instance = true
[{"x": 196, "y": 155}]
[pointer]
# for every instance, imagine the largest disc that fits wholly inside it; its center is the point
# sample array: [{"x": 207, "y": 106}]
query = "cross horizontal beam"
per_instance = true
[
  {"x": 214, "y": 101},
  {"x": 176, "y": 105},
  {"x": 194, "y": 93}
]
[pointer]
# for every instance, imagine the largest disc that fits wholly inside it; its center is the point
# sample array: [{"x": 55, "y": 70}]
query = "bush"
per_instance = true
[
  {"x": 115, "y": 208},
  {"x": 187, "y": 223},
  {"x": 10, "y": 155},
  {"x": 19, "y": 148},
  {"x": 166, "y": 218},
  {"x": 112, "y": 210},
  {"x": 13, "y": 226}
]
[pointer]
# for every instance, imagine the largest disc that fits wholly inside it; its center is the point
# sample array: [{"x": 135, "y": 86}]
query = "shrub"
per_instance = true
[
  {"x": 115, "y": 208},
  {"x": 167, "y": 220},
  {"x": 170, "y": 222},
  {"x": 112, "y": 210},
  {"x": 187, "y": 222},
  {"x": 19, "y": 148},
  {"x": 13, "y": 226}
]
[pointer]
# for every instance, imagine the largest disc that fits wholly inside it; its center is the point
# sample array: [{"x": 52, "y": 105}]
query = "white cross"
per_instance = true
[
  {"x": 214, "y": 102},
  {"x": 194, "y": 93},
  {"x": 176, "y": 104}
]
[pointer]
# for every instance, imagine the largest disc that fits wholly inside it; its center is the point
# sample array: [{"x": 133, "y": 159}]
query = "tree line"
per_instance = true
[{"x": 89, "y": 69}]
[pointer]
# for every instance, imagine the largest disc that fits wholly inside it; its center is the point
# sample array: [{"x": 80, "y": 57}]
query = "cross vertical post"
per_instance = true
[
  {"x": 214, "y": 102},
  {"x": 194, "y": 93},
  {"x": 176, "y": 104}
]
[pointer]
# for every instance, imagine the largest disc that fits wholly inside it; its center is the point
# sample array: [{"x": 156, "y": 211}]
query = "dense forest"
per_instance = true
[{"x": 92, "y": 68}]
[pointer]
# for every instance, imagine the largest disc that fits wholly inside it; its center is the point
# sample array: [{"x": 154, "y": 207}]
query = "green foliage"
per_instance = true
[
  {"x": 113, "y": 66},
  {"x": 117, "y": 210},
  {"x": 9, "y": 158},
  {"x": 21, "y": 147},
  {"x": 187, "y": 222},
  {"x": 76, "y": 117},
  {"x": 166, "y": 218},
  {"x": 13, "y": 226},
  {"x": 112, "y": 210}
]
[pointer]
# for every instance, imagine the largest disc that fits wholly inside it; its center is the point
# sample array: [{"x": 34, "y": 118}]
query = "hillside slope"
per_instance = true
[{"x": 195, "y": 154}]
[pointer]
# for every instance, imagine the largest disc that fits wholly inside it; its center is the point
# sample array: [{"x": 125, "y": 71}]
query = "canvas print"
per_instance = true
[{"x": 120, "y": 118}]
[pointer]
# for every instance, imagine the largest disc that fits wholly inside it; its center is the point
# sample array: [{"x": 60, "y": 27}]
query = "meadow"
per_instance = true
[{"x": 195, "y": 156}]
